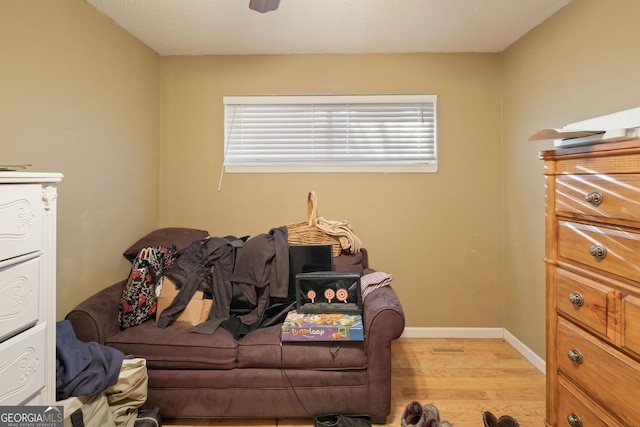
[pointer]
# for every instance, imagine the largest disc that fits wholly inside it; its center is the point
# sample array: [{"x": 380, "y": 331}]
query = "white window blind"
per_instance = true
[{"x": 378, "y": 133}]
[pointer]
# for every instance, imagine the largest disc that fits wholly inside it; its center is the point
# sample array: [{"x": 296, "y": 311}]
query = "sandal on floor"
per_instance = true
[{"x": 490, "y": 420}]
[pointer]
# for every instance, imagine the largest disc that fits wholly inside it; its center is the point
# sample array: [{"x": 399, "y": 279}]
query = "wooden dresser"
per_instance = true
[
  {"x": 593, "y": 284},
  {"x": 28, "y": 288}
]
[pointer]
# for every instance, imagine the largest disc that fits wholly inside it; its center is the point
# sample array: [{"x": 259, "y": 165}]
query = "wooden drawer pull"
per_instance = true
[
  {"x": 598, "y": 251},
  {"x": 574, "y": 420},
  {"x": 575, "y": 356},
  {"x": 576, "y": 299},
  {"x": 594, "y": 198}
]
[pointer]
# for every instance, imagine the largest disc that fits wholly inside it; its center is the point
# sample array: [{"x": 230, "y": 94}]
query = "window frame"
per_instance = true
[{"x": 337, "y": 167}]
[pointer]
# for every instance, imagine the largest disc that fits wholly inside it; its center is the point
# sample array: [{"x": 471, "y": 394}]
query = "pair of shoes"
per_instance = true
[
  {"x": 341, "y": 421},
  {"x": 417, "y": 415},
  {"x": 490, "y": 420}
]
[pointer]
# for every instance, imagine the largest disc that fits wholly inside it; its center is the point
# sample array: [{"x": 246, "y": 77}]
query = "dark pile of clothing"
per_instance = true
[{"x": 258, "y": 277}]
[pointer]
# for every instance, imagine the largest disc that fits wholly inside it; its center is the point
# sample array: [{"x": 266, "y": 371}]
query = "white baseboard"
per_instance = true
[
  {"x": 415, "y": 332},
  {"x": 532, "y": 357},
  {"x": 410, "y": 332}
]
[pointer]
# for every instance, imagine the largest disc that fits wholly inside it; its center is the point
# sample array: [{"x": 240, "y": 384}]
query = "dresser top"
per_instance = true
[
  {"x": 27, "y": 177},
  {"x": 623, "y": 147}
]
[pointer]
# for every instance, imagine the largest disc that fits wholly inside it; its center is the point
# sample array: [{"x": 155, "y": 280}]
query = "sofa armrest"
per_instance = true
[
  {"x": 384, "y": 302},
  {"x": 96, "y": 318},
  {"x": 384, "y": 321}
]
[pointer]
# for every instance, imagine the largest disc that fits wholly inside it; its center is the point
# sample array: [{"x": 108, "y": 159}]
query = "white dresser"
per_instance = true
[{"x": 28, "y": 288}]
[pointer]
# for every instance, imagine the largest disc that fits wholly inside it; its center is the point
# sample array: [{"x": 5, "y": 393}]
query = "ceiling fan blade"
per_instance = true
[{"x": 264, "y": 6}]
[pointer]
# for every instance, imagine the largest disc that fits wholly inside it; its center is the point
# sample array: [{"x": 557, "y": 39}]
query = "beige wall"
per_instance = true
[
  {"x": 80, "y": 96},
  {"x": 581, "y": 63},
  {"x": 465, "y": 245},
  {"x": 440, "y": 235}
]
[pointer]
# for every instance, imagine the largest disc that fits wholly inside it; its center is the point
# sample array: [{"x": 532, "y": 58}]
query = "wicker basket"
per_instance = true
[{"x": 306, "y": 232}]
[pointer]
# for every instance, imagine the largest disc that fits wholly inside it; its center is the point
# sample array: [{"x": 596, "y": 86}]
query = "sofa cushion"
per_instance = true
[
  {"x": 181, "y": 237},
  {"x": 176, "y": 347},
  {"x": 262, "y": 349},
  {"x": 352, "y": 262}
]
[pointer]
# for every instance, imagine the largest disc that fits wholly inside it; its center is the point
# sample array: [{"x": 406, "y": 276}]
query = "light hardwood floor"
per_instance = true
[{"x": 462, "y": 377}]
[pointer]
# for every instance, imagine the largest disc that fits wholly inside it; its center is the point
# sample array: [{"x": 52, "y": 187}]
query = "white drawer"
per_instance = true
[
  {"x": 19, "y": 291},
  {"x": 22, "y": 365},
  {"x": 21, "y": 222}
]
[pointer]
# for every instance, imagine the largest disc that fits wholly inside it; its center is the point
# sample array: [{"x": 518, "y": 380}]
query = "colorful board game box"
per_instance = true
[{"x": 322, "y": 327}]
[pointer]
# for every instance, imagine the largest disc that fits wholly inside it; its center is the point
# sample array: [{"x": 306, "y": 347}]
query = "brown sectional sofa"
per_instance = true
[{"x": 199, "y": 375}]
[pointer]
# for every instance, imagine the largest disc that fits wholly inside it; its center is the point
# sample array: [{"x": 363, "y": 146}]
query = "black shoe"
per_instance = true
[
  {"x": 341, "y": 421},
  {"x": 148, "y": 418}
]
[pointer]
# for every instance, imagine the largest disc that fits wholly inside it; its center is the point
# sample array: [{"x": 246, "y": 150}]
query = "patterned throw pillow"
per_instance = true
[{"x": 138, "y": 302}]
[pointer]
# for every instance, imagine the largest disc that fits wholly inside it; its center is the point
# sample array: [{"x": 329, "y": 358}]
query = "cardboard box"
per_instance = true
[
  {"x": 196, "y": 312},
  {"x": 322, "y": 327}
]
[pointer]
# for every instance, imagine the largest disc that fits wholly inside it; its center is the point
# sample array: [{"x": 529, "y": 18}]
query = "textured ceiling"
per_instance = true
[{"x": 227, "y": 27}]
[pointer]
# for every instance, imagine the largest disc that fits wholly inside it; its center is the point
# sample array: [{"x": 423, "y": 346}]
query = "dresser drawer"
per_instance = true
[
  {"x": 609, "y": 249},
  {"x": 606, "y": 196},
  {"x": 573, "y": 406},
  {"x": 21, "y": 211},
  {"x": 603, "y": 372},
  {"x": 22, "y": 365},
  {"x": 19, "y": 291},
  {"x": 584, "y": 300}
]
